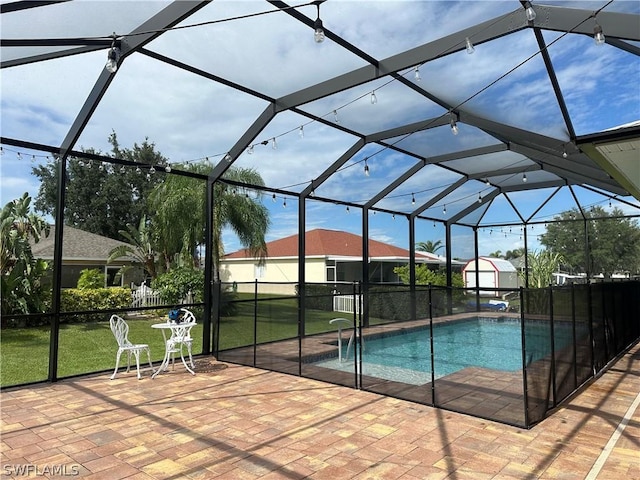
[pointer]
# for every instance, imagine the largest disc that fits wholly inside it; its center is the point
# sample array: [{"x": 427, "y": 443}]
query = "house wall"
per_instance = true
[{"x": 279, "y": 271}]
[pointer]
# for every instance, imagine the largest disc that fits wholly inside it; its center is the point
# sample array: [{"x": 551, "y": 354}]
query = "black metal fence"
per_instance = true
[{"x": 512, "y": 357}]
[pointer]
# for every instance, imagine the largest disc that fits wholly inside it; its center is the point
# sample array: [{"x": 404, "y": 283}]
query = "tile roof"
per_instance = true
[
  {"x": 322, "y": 242},
  {"x": 77, "y": 245}
]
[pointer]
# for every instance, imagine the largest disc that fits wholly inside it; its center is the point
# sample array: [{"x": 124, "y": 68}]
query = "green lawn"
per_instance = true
[{"x": 91, "y": 347}]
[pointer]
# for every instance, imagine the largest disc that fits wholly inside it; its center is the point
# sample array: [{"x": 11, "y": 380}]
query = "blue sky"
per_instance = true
[{"x": 189, "y": 118}]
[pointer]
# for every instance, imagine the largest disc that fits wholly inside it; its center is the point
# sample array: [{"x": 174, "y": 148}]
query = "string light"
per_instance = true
[
  {"x": 374, "y": 99},
  {"x": 284, "y": 203},
  {"x": 301, "y": 131},
  {"x": 469, "y": 46},
  {"x": 167, "y": 168},
  {"x": 454, "y": 123},
  {"x": 250, "y": 150},
  {"x": 113, "y": 55},
  {"x": 366, "y": 168},
  {"x": 413, "y": 199},
  {"x": 524, "y": 177},
  {"x": 416, "y": 73},
  {"x": 274, "y": 145},
  {"x": 318, "y": 29},
  {"x": 444, "y": 208},
  {"x": 598, "y": 36},
  {"x": 479, "y": 197},
  {"x": 529, "y": 12},
  {"x": 335, "y": 116}
]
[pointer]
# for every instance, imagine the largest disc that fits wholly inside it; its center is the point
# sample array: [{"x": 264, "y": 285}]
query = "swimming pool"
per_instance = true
[{"x": 490, "y": 343}]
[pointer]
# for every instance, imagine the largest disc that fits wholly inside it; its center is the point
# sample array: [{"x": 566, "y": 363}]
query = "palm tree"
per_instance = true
[
  {"x": 429, "y": 246},
  {"x": 542, "y": 265},
  {"x": 180, "y": 203},
  {"x": 140, "y": 249}
]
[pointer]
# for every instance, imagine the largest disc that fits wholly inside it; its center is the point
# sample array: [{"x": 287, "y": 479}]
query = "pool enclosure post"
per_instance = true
[
  {"x": 54, "y": 334},
  {"x": 524, "y": 360},
  {"x": 476, "y": 254},
  {"x": 552, "y": 373},
  {"x": 433, "y": 368}
]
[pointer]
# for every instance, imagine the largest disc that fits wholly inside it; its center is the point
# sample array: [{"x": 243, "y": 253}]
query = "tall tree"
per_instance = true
[
  {"x": 613, "y": 241},
  {"x": 180, "y": 204},
  {"x": 515, "y": 253},
  {"x": 21, "y": 273},
  {"x": 101, "y": 198},
  {"x": 429, "y": 246}
]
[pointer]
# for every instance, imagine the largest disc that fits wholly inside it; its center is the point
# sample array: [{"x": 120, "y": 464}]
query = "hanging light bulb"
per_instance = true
[
  {"x": 167, "y": 168},
  {"x": 444, "y": 208},
  {"x": 89, "y": 164},
  {"x": 564, "y": 152},
  {"x": 152, "y": 170},
  {"x": 454, "y": 123},
  {"x": 148, "y": 177},
  {"x": 227, "y": 158},
  {"x": 348, "y": 210},
  {"x": 335, "y": 116},
  {"x": 273, "y": 198},
  {"x": 524, "y": 177},
  {"x": 318, "y": 34},
  {"x": 487, "y": 182},
  {"x": 366, "y": 168},
  {"x": 479, "y": 197},
  {"x": 122, "y": 169},
  {"x": 1, "y": 151},
  {"x": 284, "y": 203},
  {"x": 80, "y": 162},
  {"x": 416, "y": 73},
  {"x": 374, "y": 99},
  {"x": 113, "y": 55},
  {"x": 598, "y": 36},
  {"x": 301, "y": 131},
  {"x": 138, "y": 171},
  {"x": 413, "y": 199},
  {"x": 469, "y": 46},
  {"x": 530, "y": 12},
  {"x": 250, "y": 150},
  {"x": 274, "y": 145}
]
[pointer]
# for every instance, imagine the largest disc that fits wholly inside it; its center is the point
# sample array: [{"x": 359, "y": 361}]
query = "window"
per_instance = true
[{"x": 331, "y": 270}]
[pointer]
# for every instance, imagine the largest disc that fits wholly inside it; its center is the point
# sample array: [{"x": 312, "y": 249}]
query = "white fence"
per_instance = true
[
  {"x": 145, "y": 296},
  {"x": 345, "y": 303}
]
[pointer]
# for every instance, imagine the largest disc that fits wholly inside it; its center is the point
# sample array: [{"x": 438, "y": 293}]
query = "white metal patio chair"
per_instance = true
[
  {"x": 180, "y": 338},
  {"x": 120, "y": 330}
]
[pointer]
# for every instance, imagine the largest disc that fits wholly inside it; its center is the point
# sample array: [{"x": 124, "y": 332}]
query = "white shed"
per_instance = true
[{"x": 492, "y": 273}]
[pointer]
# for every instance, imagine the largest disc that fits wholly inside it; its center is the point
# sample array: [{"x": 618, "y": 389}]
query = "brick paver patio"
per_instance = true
[{"x": 236, "y": 422}]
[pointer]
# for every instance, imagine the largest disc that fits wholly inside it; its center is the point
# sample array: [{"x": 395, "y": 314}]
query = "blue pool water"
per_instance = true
[{"x": 481, "y": 342}]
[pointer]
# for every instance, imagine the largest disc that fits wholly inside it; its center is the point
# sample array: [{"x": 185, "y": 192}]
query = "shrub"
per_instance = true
[
  {"x": 91, "y": 278},
  {"x": 77, "y": 300},
  {"x": 175, "y": 284}
]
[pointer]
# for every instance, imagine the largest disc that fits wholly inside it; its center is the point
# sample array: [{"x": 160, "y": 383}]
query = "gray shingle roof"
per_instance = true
[{"x": 76, "y": 245}]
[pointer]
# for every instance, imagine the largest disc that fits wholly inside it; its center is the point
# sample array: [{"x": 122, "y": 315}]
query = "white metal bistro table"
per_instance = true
[{"x": 180, "y": 337}]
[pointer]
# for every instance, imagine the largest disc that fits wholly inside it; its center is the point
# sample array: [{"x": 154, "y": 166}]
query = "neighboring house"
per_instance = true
[
  {"x": 81, "y": 250},
  {"x": 492, "y": 273},
  {"x": 331, "y": 256}
]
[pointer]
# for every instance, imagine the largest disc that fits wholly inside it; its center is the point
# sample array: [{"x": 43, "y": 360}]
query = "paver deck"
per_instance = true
[{"x": 236, "y": 422}]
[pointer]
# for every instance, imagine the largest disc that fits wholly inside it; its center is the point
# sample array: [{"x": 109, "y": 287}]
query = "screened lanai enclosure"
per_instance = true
[{"x": 181, "y": 132}]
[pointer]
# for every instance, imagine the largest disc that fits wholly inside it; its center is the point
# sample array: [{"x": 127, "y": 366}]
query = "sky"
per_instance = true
[{"x": 190, "y": 118}]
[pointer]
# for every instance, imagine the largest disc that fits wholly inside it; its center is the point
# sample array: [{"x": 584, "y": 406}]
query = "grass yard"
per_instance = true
[{"x": 90, "y": 347}]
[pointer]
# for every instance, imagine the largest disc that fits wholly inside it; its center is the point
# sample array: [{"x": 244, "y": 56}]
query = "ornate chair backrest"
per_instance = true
[
  {"x": 181, "y": 333},
  {"x": 120, "y": 330},
  {"x": 188, "y": 316}
]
